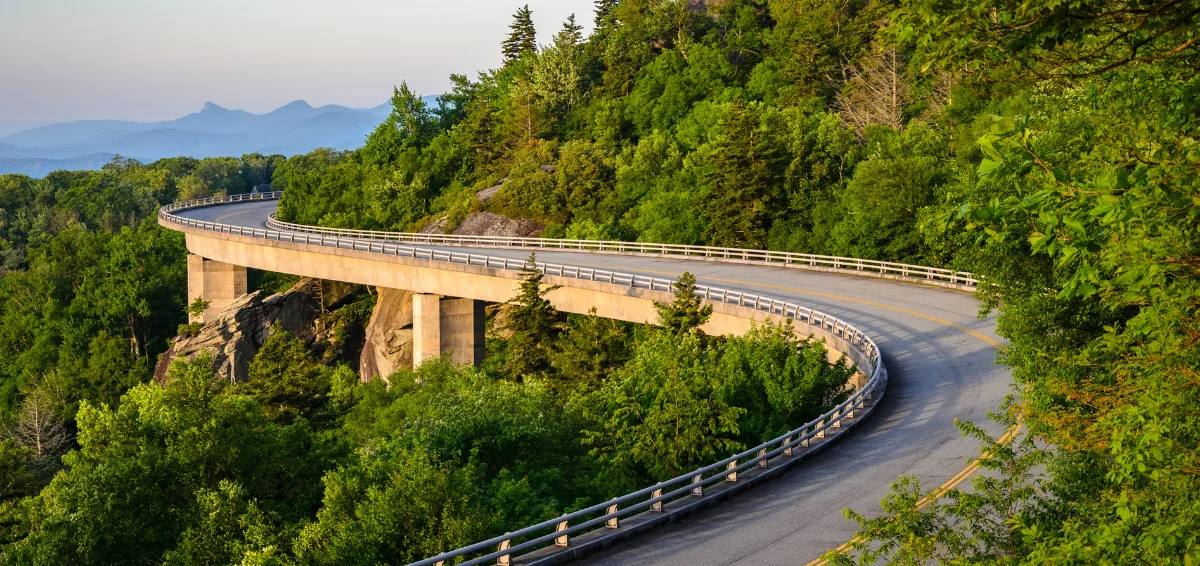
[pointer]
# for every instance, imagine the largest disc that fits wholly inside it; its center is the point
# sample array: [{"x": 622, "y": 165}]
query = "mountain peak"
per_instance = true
[
  {"x": 296, "y": 104},
  {"x": 209, "y": 106}
]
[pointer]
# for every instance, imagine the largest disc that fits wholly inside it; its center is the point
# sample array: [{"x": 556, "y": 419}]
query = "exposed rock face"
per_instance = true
[
  {"x": 389, "y": 342},
  {"x": 438, "y": 226},
  {"x": 235, "y": 335},
  {"x": 491, "y": 224}
]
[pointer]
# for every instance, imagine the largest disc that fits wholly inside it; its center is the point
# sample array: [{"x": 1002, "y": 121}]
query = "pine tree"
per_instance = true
[
  {"x": 533, "y": 323},
  {"x": 570, "y": 34},
  {"x": 743, "y": 181},
  {"x": 523, "y": 37},
  {"x": 604, "y": 12},
  {"x": 688, "y": 311}
]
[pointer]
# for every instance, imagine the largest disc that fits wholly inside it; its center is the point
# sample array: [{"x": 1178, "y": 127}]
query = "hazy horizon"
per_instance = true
[{"x": 63, "y": 60}]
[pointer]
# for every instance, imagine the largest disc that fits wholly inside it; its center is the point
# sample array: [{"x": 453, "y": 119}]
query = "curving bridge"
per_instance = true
[{"x": 909, "y": 329}]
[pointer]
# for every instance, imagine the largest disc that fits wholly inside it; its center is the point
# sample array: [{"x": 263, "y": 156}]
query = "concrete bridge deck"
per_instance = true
[{"x": 940, "y": 359}]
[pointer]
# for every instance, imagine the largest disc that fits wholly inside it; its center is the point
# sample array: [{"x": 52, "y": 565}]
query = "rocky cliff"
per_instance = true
[
  {"x": 389, "y": 339},
  {"x": 234, "y": 336}
]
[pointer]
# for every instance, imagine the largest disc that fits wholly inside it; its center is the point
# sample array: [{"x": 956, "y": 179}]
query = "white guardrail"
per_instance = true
[
  {"x": 607, "y": 515},
  {"x": 869, "y": 267}
]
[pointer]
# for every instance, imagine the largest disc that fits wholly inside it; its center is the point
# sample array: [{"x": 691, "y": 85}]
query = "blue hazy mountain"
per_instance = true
[{"x": 296, "y": 127}]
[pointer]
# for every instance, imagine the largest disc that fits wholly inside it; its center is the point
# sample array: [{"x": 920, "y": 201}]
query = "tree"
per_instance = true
[
  {"x": 522, "y": 38},
  {"x": 589, "y": 349},
  {"x": 409, "y": 126},
  {"x": 193, "y": 187},
  {"x": 688, "y": 312},
  {"x": 743, "y": 178},
  {"x": 197, "y": 307},
  {"x": 990, "y": 524},
  {"x": 556, "y": 72},
  {"x": 285, "y": 379},
  {"x": 532, "y": 322},
  {"x": 153, "y": 477},
  {"x": 877, "y": 92},
  {"x": 784, "y": 379},
  {"x": 662, "y": 412},
  {"x": 39, "y": 429},
  {"x": 604, "y": 12}
]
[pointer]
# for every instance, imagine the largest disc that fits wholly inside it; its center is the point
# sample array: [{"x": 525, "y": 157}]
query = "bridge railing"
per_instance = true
[
  {"x": 862, "y": 266},
  {"x": 862, "y": 350}
]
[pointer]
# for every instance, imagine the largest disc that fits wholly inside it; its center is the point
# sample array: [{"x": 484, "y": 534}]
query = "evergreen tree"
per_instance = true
[
  {"x": 742, "y": 179},
  {"x": 604, "y": 13},
  {"x": 533, "y": 324},
  {"x": 523, "y": 37},
  {"x": 570, "y": 34},
  {"x": 556, "y": 73},
  {"x": 688, "y": 311}
]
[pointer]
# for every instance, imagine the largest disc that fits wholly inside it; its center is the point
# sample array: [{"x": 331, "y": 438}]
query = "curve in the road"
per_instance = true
[{"x": 940, "y": 360}]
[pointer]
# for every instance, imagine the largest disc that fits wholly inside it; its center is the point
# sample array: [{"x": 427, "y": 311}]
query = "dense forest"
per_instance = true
[{"x": 1049, "y": 148}]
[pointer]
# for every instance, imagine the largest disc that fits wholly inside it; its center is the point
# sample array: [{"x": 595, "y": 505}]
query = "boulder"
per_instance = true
[
  {"x": 492, "y": 224},
  {"x": 235, "y": 335},
  {"x": 389, "y": 339}
]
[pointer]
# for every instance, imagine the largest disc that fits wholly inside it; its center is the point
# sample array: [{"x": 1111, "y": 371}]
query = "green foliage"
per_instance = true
[
  {"x": 1047, "y": 147},
  {"x": 785, "y": 377},
  {"x": 989, "y": 525},
  {"x": 522, "y": 38},
  {"x": 742, "y": 175},
  {"x": 286, "y": 381},
  {"x": 589, "y": 349},
  {"x": 688, "y": 312},
  {"x": 1080, "y": 213},
  {"x": 662, "y": 411},
  {"x": 531, "y": 323},
  {"x": 197, "y": 307},
  {"x": 152, "y": 478}
]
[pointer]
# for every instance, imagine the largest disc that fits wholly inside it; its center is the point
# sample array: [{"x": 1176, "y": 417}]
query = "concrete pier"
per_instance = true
[
  {"x": 218, "y": 283},
  {"x": 445, "y": 324}
]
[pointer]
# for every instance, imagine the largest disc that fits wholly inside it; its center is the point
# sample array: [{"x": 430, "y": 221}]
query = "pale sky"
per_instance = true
[{"x": 160, "y": 59}]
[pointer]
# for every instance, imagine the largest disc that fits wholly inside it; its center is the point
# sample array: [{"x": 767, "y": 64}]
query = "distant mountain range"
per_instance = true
[{"x": 214, "y": 131}]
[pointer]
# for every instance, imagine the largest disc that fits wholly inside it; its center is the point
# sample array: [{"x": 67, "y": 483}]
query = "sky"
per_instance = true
[{"x": 152, "y": 60}]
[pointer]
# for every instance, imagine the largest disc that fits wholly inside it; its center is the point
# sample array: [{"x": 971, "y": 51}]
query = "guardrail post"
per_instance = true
[
  {"x": 699, "y": 489},
  {"x": 836, "y": 422},
  {"x": 787, "y": 450},
  {"x": 505, "y": 560},
  {"x": 657, "y": 505},
  {"x": 612, "y": 522},
  {"x": 762, "y": 462},
  {"x": 732, "y": 475},
  {"x": 820, "y": 434},
  {"x": 565, "y": 538}
]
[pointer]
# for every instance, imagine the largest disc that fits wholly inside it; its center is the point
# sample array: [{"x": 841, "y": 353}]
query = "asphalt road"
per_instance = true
[{"x": 940, "y": 358}]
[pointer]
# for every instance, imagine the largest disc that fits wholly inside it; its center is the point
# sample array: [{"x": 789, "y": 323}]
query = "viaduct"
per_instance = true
[{"x": 909, "y": 329}]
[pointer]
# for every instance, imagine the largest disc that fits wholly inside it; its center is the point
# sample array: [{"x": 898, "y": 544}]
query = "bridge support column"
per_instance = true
[
  {"x": 442, "y": 324},
  {"x": 218, "y": 283}
]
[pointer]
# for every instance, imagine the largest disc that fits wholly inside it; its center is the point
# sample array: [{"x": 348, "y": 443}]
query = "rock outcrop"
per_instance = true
[
  {"x": 389, "y": 339},
  {"x": 492, "y": 224},
  {"x": 235, "y": 335}
]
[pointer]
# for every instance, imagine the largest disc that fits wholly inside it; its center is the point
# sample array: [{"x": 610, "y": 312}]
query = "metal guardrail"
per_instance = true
[
  {"x": 861, "y": 266},
  {"x": 863, "y": 351}
]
